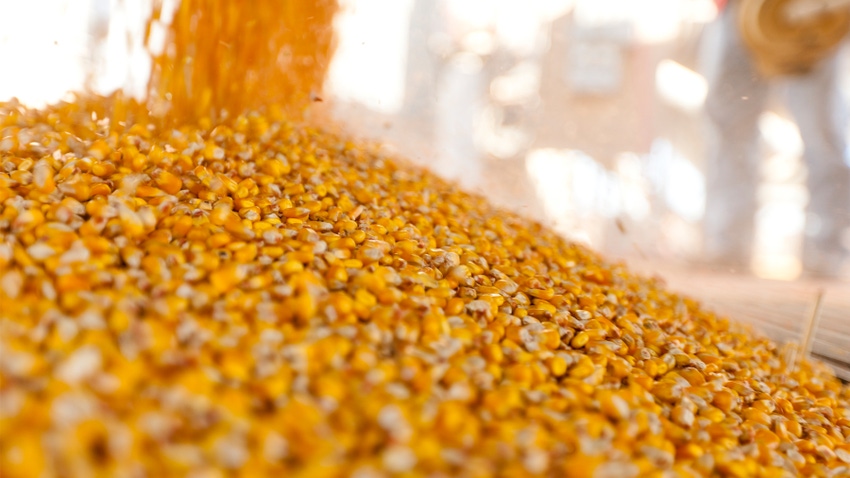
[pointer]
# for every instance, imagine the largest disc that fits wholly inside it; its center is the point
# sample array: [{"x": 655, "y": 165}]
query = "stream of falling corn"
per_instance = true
[
  {"x": 249, "y": 296},
  {"x": 223, "y": 55}
]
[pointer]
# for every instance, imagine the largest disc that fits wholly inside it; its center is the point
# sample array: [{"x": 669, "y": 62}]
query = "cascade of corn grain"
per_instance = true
[
  {"x": 225, "y": 56},
  {"x": 242, "y": 295}
]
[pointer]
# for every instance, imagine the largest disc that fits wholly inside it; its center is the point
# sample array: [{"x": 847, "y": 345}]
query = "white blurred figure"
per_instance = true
[{"x": 736, "y": 98}]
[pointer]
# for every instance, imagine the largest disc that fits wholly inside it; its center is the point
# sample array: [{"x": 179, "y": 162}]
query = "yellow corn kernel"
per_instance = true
[
  {"x": 557, "y": 365},
  {"x": 168, "y": 182},
  {"x": 580, "y": 340}
]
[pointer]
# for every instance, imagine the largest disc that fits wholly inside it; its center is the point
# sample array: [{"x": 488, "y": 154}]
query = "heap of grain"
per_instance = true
[{"x": 249, "y": 296}]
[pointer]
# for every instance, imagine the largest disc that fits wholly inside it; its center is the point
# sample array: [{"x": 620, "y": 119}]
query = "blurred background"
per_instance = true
[{"x": 591, "y": 116}]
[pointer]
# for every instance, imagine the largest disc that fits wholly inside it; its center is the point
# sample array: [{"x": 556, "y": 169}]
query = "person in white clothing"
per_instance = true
[{"x": 736, "y": 98}]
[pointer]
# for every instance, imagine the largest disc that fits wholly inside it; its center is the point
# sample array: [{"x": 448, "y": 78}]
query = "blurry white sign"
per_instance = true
[{"x": 594, "y": 67}]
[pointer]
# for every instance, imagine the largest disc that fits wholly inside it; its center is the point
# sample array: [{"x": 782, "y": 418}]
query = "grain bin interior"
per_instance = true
[{"x": 424, "y": 238}]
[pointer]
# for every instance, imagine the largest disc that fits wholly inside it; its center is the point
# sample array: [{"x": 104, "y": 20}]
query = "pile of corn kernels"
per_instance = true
[{"x": 259, "y": 298}]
